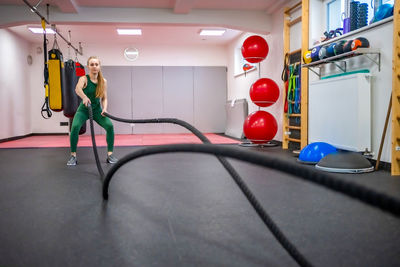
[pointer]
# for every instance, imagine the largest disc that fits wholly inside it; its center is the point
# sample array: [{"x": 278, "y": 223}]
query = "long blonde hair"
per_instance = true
[{"x": 100, "y": 79}]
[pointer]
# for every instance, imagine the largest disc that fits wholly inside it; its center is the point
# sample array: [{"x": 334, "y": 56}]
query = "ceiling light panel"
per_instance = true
[
  {"x": 129, "y": 31},
  {"x": 40, "y": 30},
  {"x": 212, "y": 32}
]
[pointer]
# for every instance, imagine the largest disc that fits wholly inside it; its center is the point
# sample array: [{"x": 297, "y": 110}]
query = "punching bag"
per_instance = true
[
  {"x": 82, "y": 130},
  {"x": 80, "y": 71},
  {"x": 56, "y": 73},
  {"x": 70, "y": 98}
]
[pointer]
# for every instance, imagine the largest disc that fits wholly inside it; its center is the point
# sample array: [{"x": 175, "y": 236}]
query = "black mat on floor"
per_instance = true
[{"x": 181, "y": 210}]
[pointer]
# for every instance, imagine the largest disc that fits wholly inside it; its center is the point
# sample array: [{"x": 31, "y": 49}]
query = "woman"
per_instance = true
[{"x": 92, "y": 88}]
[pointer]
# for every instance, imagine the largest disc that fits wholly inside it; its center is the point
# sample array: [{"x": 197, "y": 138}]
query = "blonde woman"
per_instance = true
[{"x": 92, "y": 89}]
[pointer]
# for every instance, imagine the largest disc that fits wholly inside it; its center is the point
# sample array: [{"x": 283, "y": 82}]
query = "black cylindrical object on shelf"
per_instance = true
[
  {"x": 362, "y": 19},
  {"x": 354, "y": 6}
]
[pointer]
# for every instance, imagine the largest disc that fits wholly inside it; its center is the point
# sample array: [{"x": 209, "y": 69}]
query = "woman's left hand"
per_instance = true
[{"x": 103, "y": 111}]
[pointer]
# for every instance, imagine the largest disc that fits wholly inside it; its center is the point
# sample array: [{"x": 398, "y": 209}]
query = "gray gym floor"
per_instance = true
[{"x": 182, "y": 209}]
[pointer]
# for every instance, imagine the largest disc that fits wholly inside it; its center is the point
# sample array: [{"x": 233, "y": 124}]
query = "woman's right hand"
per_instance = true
[{"x": 86, "y": 101}]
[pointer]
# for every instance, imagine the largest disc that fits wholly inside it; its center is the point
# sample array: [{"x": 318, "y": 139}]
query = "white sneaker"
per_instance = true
[{"x": 72, "y": 161}]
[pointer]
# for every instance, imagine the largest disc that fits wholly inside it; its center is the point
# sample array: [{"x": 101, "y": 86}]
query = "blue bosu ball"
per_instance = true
[{"x": 314, "y": 152}]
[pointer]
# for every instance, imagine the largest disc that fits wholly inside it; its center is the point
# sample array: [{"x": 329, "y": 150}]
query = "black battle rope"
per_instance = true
[
  {"x": 356, "y": 191},
  {"x": 290, "y": 248},
  {"x": 188, "y": 126},
  {"x": 371, "y": 197},
  {"x": 96, "y": 155}
]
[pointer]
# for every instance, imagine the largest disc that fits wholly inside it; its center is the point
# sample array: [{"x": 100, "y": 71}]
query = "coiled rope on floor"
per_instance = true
[
  {"x": 282, "y": 239},
  {"x": 376, "y": 199},
  {"x": 356, "y": 191},
  {"x": 278, "y": 234}
]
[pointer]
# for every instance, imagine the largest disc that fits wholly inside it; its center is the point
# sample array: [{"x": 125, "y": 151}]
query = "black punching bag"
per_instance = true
[
  {"x": 83, "y": 128},
  {"x": 70, "y": 98}
]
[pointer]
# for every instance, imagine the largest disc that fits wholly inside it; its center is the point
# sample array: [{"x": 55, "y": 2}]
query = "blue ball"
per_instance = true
[
  {"x": 314, "y": 152},
  {"x": 330, "y": 50},
  {"x": 323, "y": 52},
  {"x": 315, "y": 53},
  {"x": 384, "y": 11}
]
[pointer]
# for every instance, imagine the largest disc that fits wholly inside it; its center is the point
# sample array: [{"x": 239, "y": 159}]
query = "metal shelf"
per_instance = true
[{"x": 340, "y": 62}]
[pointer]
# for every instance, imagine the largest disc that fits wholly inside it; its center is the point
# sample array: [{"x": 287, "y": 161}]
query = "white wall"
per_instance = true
[
  {"x": 160, "y": 55},
  {"x": 151, "y": 55},
  {"x": 14, "y": 85},
  {"x": 317, "y": 21},
  {"x": 271, "y": 67}
]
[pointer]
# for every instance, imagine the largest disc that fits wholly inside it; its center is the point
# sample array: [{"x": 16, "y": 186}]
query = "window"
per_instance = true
[
  {"x": 241, "y": 65},
  {"x": 334, "y": 11},
  {"x": 337, "y": 11},
  {"x": 388, "y": 1}
]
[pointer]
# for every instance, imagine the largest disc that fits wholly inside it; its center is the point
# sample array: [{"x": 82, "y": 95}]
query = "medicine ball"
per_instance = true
[
  {"x": 359, "y": 42},
  {"x": 338, "y": 49},
  {"x": 307, "y": 57},
  {"x": 315, "y": 53},
  {"x": 322, "y": 52},
  {"x": 347, "y": 46},
  {"x": 330, "y": 50}
]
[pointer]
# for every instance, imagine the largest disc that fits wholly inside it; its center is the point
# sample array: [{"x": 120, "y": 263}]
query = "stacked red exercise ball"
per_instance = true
[
  {"x": 255, "y": 49},
  {"x": 260, "y": 127},
  {"x": 264, "y": 92}
]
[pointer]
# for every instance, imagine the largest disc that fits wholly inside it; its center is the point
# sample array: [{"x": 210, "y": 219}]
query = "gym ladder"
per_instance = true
[
  {"x": 288, "y": 22},
  {"x": 395, "y": 169}
]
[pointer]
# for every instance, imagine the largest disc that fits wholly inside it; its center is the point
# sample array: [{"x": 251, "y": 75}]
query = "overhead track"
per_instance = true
[{"x": 34, "y": 9}]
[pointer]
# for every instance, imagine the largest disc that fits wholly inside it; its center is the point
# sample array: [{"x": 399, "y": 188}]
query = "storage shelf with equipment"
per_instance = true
[{"x": 340, "y": 62}]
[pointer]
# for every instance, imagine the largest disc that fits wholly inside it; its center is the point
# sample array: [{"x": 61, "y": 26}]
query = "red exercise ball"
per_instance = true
[
  {"x": 260, "y": 127},
  {"x": 255, "y": 49},
  {"x": 264, "y": 92}
]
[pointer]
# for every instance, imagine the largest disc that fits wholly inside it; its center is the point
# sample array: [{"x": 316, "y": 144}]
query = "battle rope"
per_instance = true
[
  {"x": 278, "y": 234},
  {"x": 96, "y": 155},
  {"x": 356, "y": 191},
  {"x": 371, "y": 197}
]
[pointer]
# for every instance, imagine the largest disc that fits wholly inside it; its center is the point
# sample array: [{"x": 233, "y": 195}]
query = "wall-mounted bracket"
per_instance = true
[{"x": 367, "y": 52}]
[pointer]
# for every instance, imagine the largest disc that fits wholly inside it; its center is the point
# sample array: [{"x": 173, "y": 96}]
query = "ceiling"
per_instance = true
[
  {"x": 153, "y": 33},
  {"x": 179, "y": 6}
]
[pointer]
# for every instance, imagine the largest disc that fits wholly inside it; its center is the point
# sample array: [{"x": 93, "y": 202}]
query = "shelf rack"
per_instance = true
[{"x": 341, "y": 58}]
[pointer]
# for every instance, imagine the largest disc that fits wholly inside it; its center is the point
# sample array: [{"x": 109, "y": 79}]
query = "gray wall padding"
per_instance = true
[
  {"x": 236, "y": 113},
  {"x": 210, "y": 90},
  {"x": 119, "y": 95},
  {"x": 193, "y": 94}
]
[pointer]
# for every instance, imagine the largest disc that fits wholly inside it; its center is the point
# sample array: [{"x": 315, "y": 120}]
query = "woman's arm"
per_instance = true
[
  {"x": 79, "y": 90},
  {"x": 104, "y": 101}
]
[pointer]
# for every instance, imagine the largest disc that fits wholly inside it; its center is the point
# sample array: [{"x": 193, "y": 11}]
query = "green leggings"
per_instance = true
[{"x": 81, "y": 116}]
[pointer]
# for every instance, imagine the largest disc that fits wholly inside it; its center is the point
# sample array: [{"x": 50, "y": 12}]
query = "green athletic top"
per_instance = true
[{"x": 90, "y": 92}]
